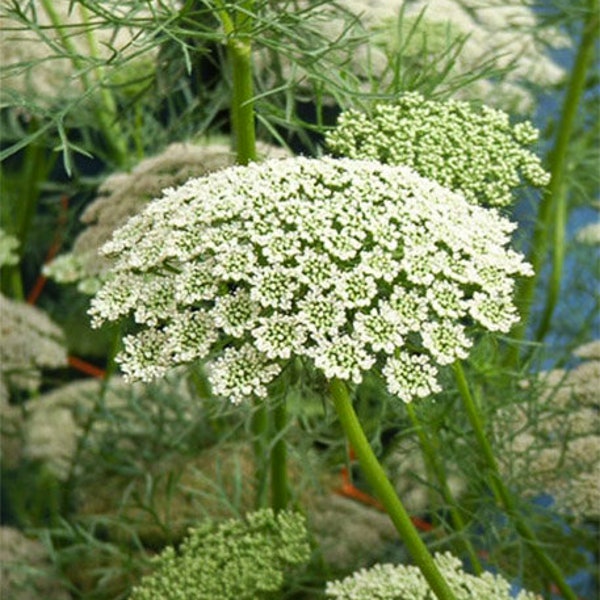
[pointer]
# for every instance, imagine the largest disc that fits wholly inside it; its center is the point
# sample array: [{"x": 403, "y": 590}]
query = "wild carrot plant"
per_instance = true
[{"x": 304, "y": 230}]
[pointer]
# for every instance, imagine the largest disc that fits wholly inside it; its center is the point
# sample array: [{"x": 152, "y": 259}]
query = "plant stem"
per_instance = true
[
  {"x": 583, "y": 62},
  {"x": 239, "y": 53},
  {"x": 279, "y": 479},
  {"x": 385, "y": 491},
  {"x": 430, "y": 456},
  {"x": 260, "y": 431},
  {"x": 24, "y": 187},
  {"x": 501, "y": 492},
  {"x": 552, "y": 212}
]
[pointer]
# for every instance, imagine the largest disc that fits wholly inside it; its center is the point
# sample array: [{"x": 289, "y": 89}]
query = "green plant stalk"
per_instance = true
[
  {"x": 501, "y": 493},
  {"x": 239, "y": 54},
  {"x": 109, "y": 106},
  {"x": 583, "y": 63},
  {"x": 385, "y": 491},
  {"x": 552, "y": 212},
  {"x": 279, "y": 478},
  {"x": 457, "y": 520},
  {"x": 107, "y": 112},
  {"x": 242, "y": 106},
  {"x": 260, "y": 448},
  {"x": 36, "y": 166}
]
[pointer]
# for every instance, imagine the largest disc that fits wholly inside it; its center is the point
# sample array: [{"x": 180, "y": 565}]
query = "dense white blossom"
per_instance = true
[
  {"x": 335, "y": 293},
  {"x": 551, "y": 444},
  {"x": 506, "y": 35},
  {"x": 29, "y": 342},
  {"x": 57, "y": 422},
  {"x": 474, "y": 151},
  {"x": 403, "y": 582},
  {"x": 589, "y": 234},
  {"x": 123, "y": 194}
]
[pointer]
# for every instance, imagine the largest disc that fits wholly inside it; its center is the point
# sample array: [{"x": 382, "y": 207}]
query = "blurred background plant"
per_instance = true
[{"x": 104, "y": 104}]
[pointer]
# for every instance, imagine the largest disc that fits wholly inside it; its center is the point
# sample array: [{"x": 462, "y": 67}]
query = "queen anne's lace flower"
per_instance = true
[
  {"x": 29, "y": 342},
  {"x": 311, "y": 278},
  {"x": 551, "y": 443},
  {"x": 122, "y": 195},
  {"x": 403, "y": 582},
  {"x": 476, "y": 152}
]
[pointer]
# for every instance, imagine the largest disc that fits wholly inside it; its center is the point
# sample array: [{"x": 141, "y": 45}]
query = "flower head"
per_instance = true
[
  {"x": 123, "y": 195},
  {"x": 29, "y": 342},
  {"x": 350, "y": 265},
  {"x": 402, "y": 582},
  {"x": 475, "y": 152},
  {"x": 552, "y": 442},
  {"x": 234, "y": 560}
]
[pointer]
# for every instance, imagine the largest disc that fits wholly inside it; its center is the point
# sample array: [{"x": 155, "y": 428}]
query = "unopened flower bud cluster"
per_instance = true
[
  {"x": 233, "y": 560},
  {"x": 350, "y": 265},
  {"x": 475, "y": 152}
]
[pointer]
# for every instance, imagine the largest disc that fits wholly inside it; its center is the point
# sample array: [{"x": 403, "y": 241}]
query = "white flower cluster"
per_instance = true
[
  {"x": 589, "y": 234},
  {"x": 352, "y": 265},
  {"x": 29, "y": 342},
  {"x": 407, "y": 469},
  {"x": 401, "y": 582},
  {"x": 349, "y": 534},
  {"x": 552, "y": 445},
  {"x": 122, "y": 195},
  {"x": 473, "y": 151}
]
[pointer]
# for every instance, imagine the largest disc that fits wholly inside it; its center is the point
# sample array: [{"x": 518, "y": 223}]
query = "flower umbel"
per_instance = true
[
  {"x": 475, "y": 152},
  {"x": 236, "y": 559},
  {"x": 403, "y": 582},
  {"x": 314, "y": 266}
]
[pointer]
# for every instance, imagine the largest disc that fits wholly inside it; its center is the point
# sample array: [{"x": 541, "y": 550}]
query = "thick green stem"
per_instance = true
[
  {"x": 385, "y": 491},
  {"x": 242, "y": 106},
  {"x": 431, "y": 458},
  {"x": 260, "y": 432},
  {"x": 279, "y": 479},
  {"x": 239, "y": 53},
  {"x": 552, "y": 212},
  {"x": 501, "y": 492},
  {"x": 24, "y": 188}
]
